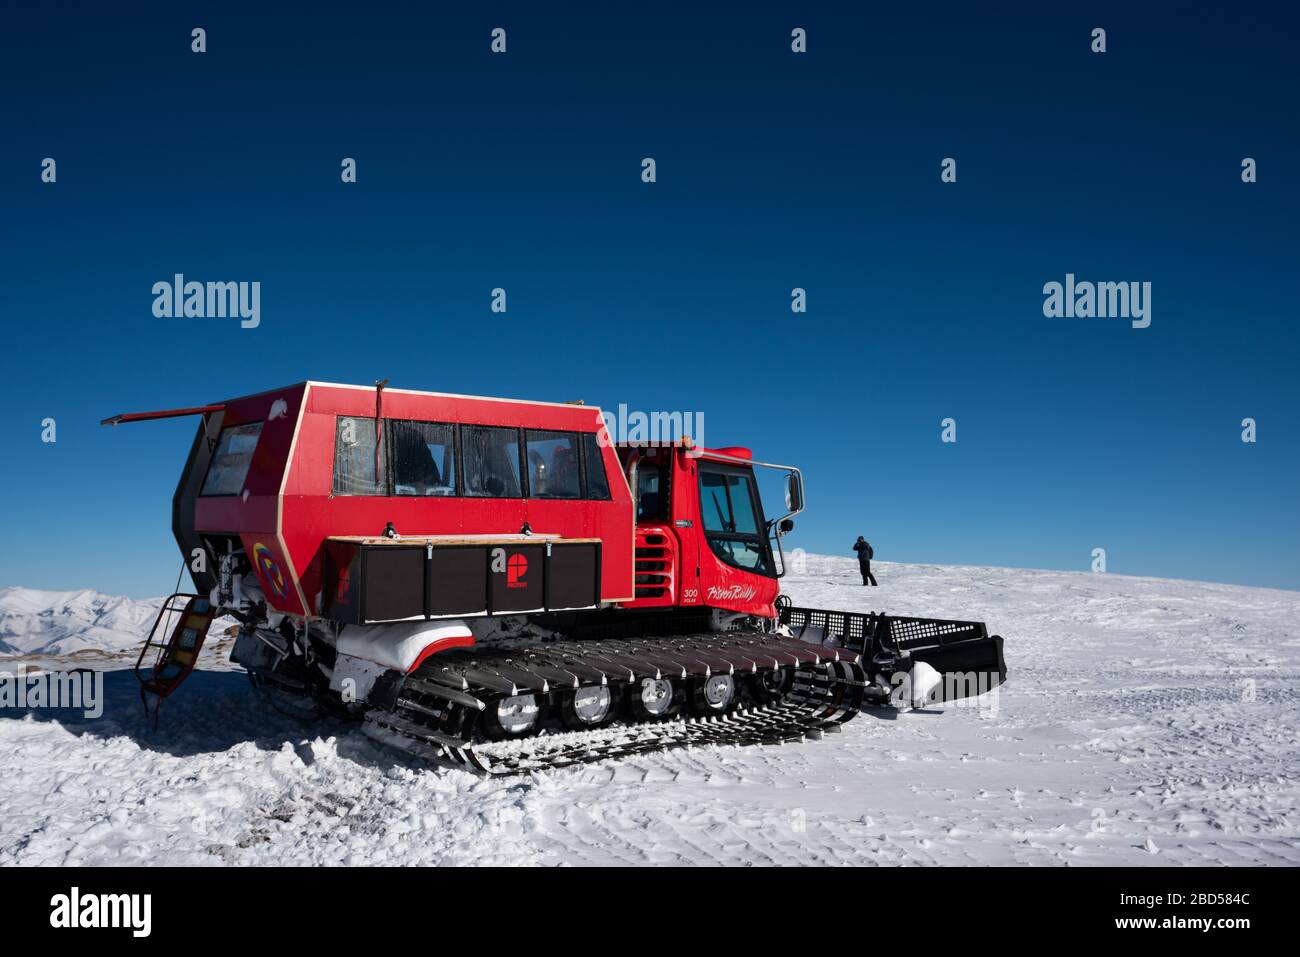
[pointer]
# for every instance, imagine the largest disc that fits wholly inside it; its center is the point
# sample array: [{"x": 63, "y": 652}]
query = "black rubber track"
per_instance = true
[{"x": 439, "y": 709}]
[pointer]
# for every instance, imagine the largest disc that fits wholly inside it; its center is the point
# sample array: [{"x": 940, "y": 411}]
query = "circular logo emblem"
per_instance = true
[{"x": 269, "y": 569}]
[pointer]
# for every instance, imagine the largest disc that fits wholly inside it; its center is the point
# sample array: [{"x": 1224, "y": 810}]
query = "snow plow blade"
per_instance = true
[{"x": 966, "y": 659}]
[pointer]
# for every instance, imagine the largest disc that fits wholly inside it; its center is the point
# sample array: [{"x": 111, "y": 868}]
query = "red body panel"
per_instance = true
[{"x": 288, "y": 508}]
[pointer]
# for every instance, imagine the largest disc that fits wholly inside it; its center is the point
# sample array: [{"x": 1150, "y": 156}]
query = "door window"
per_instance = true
[{"x": 731, "y": 517}]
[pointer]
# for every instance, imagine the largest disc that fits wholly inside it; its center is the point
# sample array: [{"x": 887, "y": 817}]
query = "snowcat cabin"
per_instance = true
[
  {"x": 701, "y": 535},
  {"x": 367, "y": 505},
  {"x": 374, "y": 544}
]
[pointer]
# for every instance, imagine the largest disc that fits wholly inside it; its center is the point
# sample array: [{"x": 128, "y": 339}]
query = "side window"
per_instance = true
[
  {"x": 553, "y": 465},
  {"x": 491, "y": 457},
  {"x": 424, "y": 457},
  {"x": 597, "y": 480},
  {"x": 357, "y": 470},
  {"x": 230, "y": 462}
]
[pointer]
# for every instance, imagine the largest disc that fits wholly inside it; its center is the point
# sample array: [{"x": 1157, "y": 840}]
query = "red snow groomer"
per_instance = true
[{"x": 474, "y": 577}]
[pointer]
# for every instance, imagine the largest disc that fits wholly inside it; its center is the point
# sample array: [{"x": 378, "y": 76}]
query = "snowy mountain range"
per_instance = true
[{"x": 35, "y": 622}]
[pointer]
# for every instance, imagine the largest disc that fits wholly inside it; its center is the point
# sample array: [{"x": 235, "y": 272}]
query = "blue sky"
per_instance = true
[{"x": 775, "y": 170}]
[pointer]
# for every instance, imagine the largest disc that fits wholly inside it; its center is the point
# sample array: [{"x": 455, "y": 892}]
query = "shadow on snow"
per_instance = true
[{"x": 212, "y": 712}]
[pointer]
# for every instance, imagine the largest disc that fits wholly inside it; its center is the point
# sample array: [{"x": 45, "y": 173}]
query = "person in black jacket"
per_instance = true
[{"x": 865, "y": 554}]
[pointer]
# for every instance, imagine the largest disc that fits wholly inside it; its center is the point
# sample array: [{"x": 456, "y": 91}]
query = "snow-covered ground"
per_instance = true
[{"x": 1144, "y": 721}]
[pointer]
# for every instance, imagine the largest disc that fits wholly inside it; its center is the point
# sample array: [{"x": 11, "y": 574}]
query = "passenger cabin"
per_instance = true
[{"x": 372, "y": 504}]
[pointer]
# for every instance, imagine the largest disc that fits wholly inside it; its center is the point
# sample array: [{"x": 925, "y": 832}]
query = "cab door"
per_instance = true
[
  {"x": 686, "y": 524},
  {"x": 737, "y": 571}
]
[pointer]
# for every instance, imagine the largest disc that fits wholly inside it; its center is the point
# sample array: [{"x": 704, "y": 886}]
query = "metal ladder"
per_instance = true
[{"x": 188, "y": 618}]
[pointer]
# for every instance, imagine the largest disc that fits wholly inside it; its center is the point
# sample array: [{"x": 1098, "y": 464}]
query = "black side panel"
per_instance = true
[
  {"x": 342, "y": 585},
  {"x": 366, "y": 583},
  {"x": 393, "y": 582},
  {"x": 573, "y": 576},
  {"x": 187, "y": 494},
  {"x": 521, "y": 584},
  {"x": 457, "y": 580}
]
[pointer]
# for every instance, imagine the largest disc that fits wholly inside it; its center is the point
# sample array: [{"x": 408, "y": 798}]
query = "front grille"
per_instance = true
[{"x": 653, "y": 567}]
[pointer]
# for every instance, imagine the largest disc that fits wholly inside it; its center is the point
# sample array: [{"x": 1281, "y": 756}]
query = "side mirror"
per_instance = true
[
  {"x": 786, "y": 526},
  {"x": 793, "y": 493}
]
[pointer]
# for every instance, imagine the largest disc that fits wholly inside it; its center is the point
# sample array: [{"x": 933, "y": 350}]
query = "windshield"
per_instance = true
[
  {"x": 732, "y": 518},
  {"x": 231, "y": 460}
]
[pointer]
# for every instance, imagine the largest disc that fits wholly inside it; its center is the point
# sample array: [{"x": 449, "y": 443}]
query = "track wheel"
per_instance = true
[
  {"x": 772, "y": 684},
  {"x": 587, "y": 707},
  {"x": 650, "y": 698},
  {"x": 713, "y": 695},
  {"x": 514, "y": 717}
]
